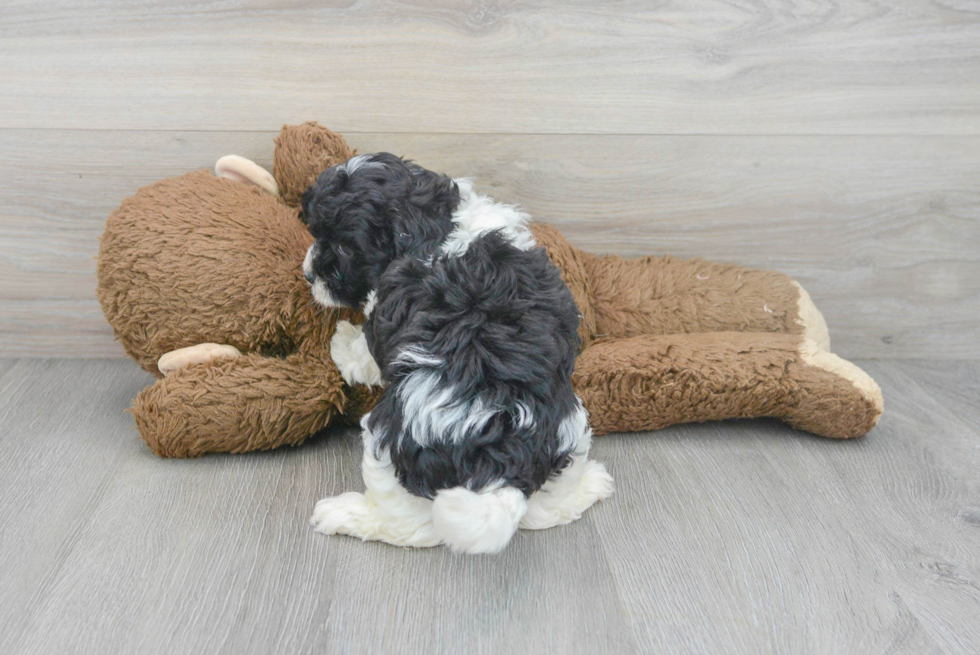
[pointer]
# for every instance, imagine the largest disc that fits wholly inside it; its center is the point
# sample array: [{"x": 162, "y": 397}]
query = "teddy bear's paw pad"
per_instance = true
[
  {"x": 351, "y": 354},
  {"x": 343, "y": 514},
  {"x": 814, "y": 355},
  {"x": 199, "y": 354},
  {"x": 812, "y": 321},
  {"x": 236, "y": 167}
]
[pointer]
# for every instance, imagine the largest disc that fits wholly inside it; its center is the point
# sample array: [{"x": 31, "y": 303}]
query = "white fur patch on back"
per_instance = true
[
  {"x": 433, "y": 410},
  {"x": 478, "y": 214}
]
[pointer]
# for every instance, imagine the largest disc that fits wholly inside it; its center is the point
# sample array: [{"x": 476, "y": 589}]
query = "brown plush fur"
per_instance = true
[
  {"x": 197, "y": 259},
  {"x": 302, "y": 152},
  {"x": 652, "y": 381}
]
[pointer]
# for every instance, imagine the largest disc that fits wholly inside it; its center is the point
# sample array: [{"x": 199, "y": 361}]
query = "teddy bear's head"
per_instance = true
[{"x": 198, "y": 258}]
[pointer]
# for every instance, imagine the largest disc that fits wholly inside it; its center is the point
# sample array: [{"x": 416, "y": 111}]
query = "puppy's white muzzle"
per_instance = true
[{"x": 318, "y": 287}]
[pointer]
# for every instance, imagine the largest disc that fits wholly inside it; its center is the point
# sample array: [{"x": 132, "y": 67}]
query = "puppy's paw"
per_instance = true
[
  {"x": 350, "y": 353},
  {"x": 341, "y": 514},
  {"x": 202, "y": 352},
  {"x": 566, "y": 498},
  {"x": 596, "y": 484}
]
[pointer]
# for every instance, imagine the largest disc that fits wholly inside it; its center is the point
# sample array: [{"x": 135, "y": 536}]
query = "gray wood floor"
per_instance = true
[{"x": 727, "y": 537}]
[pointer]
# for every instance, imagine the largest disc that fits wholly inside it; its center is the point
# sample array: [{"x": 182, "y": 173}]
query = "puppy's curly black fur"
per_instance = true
[
  {"x": 474, "y": 334},
  {"x": 372, "y": 210},
  {"x": 491, "y": 333}
]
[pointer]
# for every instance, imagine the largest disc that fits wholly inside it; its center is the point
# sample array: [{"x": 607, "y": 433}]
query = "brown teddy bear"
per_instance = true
[{"x": 200, "y": 277}]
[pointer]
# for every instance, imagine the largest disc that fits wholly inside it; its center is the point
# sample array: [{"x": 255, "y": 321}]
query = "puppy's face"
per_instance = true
[{"x": 364, "y": 214}]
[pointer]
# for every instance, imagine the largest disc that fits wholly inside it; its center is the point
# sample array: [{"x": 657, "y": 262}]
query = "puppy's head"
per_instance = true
[{"x": 366, "y": 213}]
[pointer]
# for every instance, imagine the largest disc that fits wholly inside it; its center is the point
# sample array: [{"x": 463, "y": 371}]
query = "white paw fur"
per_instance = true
[
  {"x": 384, "y": 512},
  {"x": 467, "y": 521},
  {"x": 563, "y": 499},
  {"x": 349, "y": 350}
]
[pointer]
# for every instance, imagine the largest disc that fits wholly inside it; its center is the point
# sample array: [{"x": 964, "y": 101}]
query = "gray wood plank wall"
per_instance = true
[{"x": 839, "y": 143}]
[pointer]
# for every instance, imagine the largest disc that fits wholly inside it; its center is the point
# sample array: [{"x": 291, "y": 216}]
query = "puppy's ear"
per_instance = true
[
  {"x": 425, "y": 220},
  {"x": 317, "y": 200},
  {"x": 307, "y": 204},
  {"x": 434, "y": 191}
]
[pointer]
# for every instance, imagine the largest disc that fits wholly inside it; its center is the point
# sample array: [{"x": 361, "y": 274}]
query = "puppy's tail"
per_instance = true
[{"x": 478, "y": 521}]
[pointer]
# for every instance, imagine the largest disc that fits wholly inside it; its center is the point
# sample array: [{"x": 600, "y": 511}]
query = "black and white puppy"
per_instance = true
[{"x": 473, "y": 333}]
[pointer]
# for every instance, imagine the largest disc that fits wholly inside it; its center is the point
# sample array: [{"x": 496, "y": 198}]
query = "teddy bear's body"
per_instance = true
[{"x": 200, "y": 259}]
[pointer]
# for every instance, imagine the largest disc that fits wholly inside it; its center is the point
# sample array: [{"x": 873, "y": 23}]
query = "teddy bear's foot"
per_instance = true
[
  {"x": 240, "y": 169},
  {"x": 202, "y": 352},
  {"x": 808, "y": 316},
  {"x": 649, "y": 382},
  {"x": 837, "y": 398}
]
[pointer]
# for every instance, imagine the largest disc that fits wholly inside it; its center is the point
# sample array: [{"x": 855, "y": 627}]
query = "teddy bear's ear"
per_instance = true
[
  {"x": 302, "y": 153},
  {"x": 240, "y": 169}
]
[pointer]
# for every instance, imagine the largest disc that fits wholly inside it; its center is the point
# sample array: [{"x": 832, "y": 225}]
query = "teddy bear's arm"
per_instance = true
[
  {"x": 252, "y": 402},
  {"x": 649, "y": 382},
  {"x": 202, "y": 352}
]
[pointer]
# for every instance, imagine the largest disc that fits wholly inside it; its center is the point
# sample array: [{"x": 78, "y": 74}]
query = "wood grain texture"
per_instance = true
[
  {"x": 774, "y": 544},
  {"x": 728, "y": 537},
  {"x": 884, "y": 232},
  {"x": 545, "y": 66}
]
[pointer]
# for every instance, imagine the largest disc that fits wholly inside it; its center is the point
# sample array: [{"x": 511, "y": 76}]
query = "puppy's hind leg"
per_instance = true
[
  {"x": 384, "y": 512},
  {"x": 564, "y": 498}
]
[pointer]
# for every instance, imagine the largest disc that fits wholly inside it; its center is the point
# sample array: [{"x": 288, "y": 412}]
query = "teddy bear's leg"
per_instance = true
[
  {"x": 620, "y": 297},
  {"x": 664, "y": 295},
  {"x": 386, "y": 511},
  {"x": 649, "y": 382},
  {"x": 251, "y": 402}
]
